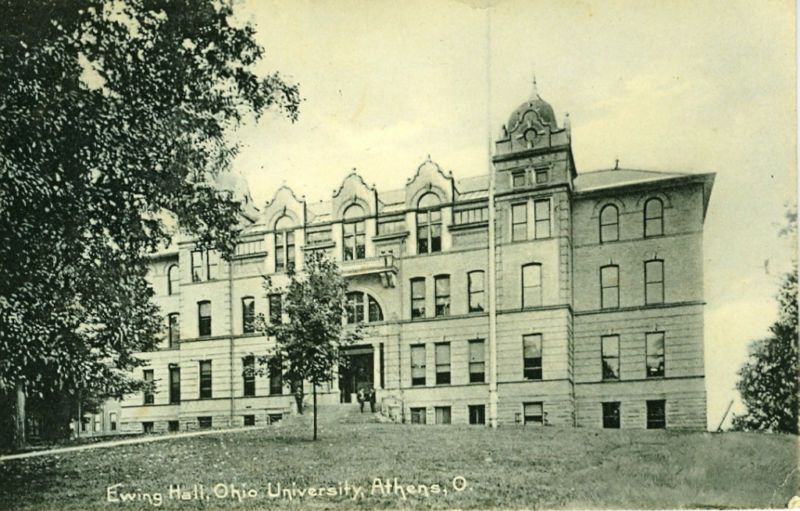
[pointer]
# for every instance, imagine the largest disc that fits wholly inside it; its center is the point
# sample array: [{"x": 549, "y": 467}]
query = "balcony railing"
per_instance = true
[{"x": 384, "y": 266}]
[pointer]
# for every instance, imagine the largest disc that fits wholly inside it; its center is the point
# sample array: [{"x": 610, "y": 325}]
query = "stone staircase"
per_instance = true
[{"x": 345, "y": 413}]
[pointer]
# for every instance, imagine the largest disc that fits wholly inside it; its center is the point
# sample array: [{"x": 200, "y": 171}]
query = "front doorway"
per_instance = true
[{"x": 357, "y": 371}]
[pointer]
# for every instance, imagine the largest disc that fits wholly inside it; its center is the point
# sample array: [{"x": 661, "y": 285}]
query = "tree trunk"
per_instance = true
[
  {"x": 19, "y": 417},
  {"x": 315, "y": 411},
  {"x": 298, "y": 396}
]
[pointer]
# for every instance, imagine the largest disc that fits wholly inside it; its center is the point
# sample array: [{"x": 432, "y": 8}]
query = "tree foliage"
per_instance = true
[
  {"x": 768, "y": 381},
  {"x": 113, "y": 117},
  {"x": 308, "y": 342}
]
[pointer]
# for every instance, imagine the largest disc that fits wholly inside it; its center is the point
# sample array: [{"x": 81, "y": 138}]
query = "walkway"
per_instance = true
[{"x": 127, "y": 441}]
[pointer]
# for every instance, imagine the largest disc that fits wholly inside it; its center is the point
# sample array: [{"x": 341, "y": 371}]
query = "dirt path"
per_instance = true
[{"x": 115, "y": 443}]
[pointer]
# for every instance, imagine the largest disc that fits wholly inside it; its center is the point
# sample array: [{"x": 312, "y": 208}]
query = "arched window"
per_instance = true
[
  {"x": 429, "y": 224},
  {"x": 353, "y": 233},
  {"x": 173, "y": 279},
  {"x": 284, "y": 244},
  {"x": 609, "y": 223},
  {"x": 653, "y": 217},
  {"x": 361, "y": 306}
]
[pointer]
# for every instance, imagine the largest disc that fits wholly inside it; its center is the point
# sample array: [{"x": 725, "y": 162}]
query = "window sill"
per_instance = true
[
  {"x": 254, "y": 255},
  {"x": 466, "y": 227}
]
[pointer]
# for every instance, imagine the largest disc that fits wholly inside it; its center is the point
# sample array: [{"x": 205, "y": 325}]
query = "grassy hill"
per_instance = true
[{"x": 511, "y": 467}]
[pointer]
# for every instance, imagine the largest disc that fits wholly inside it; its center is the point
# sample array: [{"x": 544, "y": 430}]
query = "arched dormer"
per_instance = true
[
  {"x": 354, "y": 190},
  {"x": 429, "y": 178},
  {"x": 283, "y": 203}
]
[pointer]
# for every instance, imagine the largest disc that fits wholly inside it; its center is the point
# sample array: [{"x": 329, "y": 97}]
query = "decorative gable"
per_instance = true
[
  {"x": 354, "y": 190},
  {"x": 429, "y": 178},
  {"x": 284, "y": 202}
]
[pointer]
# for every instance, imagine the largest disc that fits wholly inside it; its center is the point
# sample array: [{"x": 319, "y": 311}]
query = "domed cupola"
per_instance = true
[
  {"x": 535, "y": 113},
  {"x": 532, "y": 126},
  {"x": 533, "y": 141}
]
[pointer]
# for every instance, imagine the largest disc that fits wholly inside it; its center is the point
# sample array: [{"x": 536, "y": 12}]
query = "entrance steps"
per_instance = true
[{"x": 345, "y": 413}]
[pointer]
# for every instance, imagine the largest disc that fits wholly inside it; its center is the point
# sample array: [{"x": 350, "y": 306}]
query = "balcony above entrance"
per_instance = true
[{"x": 385, "y": 266}]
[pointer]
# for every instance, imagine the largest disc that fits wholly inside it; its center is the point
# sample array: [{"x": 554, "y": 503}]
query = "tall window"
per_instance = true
[
  {"x": 477, "y": 414},
  {"x": 477, "y": 364},
  {"x": 205, "y": 379},
  {"x": 609, "y": 347},
  {"x": 475, "y": 290},
  {"x": 532, "y": 356},
  {"x": 655, "y": 354},
  {"x": 361, "y": 306},
  {"x": 173, "y": 279},
  {"x": 611, "y": 415},
  {"x": 248, "y": 315},
  {"x": 654, "y": 281},
  {"x": 519, "y": 222},
  {"x": 275, "y": 377},
  {"x": 653, "y": 218},
  {"x": 275, "y": 308},
  {"x": 112, "y": 420},
  {"x": 149, "y": 397},
  {"x": 174, "y": 333},
  {"x": 249, "y": 375},
  {"x": 204, "y": 318},
  {"x": 284, "y": 244},
  {"x": 174, "y": 385},
  {"x": 657, "y": 414},
  {"x": 609, "y": 223},
  {"x": 609, "y": 287},
  {"x": 197, "y": 265},
  {"x": 212, "y": 260},
  {"x": 533, "y": 413},
  {"x": 417, "y": 298},
  {"x": 442, "y": 292},
  {"x": 442, "y": 363},
  {"x": 429, "y": 225},
  {"x": 541, "y": 212},
  {"x": 532, "y": 285},
  {"x": 354, "y": 233},
  {"x": 442, "y": 414},
  {"x": 418, "y": 364}
]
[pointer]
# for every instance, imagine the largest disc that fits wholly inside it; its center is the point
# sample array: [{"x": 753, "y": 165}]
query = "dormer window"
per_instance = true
[
  {"x": 284, "y": 244},
  {"x": 354, "y": 233},
  {"x": 429, "y": 224}
]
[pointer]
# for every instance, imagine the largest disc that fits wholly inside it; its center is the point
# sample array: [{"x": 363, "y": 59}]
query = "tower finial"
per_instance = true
[{"x": 535, "y": 92}]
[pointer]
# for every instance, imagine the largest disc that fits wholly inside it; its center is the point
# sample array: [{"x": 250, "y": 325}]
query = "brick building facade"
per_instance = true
[{"x": 576, "y": 300}]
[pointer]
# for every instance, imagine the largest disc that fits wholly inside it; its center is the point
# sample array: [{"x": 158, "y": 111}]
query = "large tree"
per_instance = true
[
  {"x": 113, "y": 116},
  {"x": 310, "y": 335},
  {"x": 769, "y": 380}
]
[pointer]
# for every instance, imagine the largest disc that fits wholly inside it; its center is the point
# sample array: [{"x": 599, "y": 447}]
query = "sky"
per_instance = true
[{"x": 673, "y": 85}]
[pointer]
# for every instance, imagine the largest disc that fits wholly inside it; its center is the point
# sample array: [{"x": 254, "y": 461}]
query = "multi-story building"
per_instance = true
[{"x": 531, "y": 295}]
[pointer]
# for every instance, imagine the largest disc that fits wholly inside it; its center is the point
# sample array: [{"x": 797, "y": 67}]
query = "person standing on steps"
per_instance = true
[
  {"x": 360, "y": 395},
  {"x": 372, "y": 399}
]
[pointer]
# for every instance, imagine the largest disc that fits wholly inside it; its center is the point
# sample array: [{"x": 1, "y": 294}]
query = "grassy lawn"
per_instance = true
[{"x": 511, "y": 468}]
